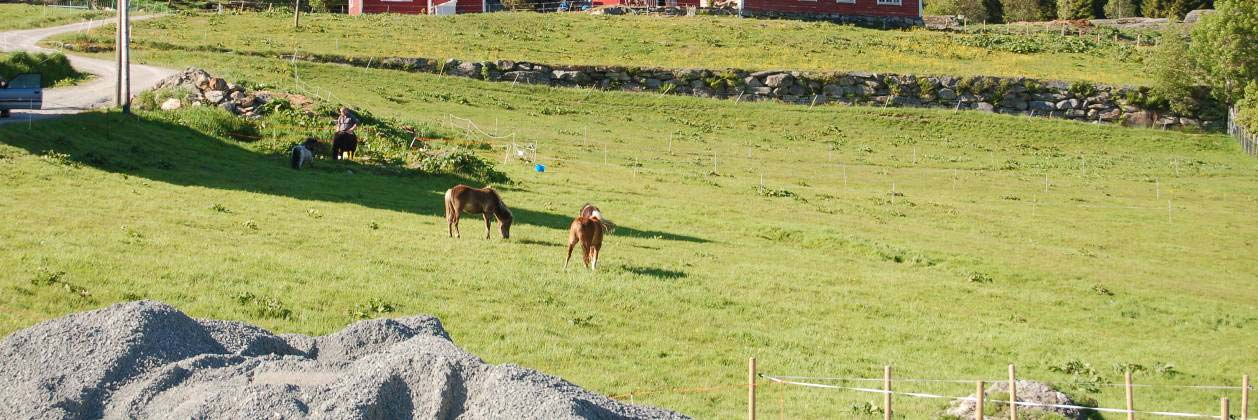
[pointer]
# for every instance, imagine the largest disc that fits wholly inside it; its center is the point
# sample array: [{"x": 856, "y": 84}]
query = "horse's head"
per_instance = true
[
  {"x": 504, "y": 227},
  {"x": 505, "y": 218}
]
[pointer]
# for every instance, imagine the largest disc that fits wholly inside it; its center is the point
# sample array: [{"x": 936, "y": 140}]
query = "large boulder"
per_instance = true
[
  {"x": 1028, "y": 391},
  {"x": 214, "y": 96},
  {"x": 779, "y": 80},
  {"x": 148, "y": 360},
  {"x": 171, "y": 104}
]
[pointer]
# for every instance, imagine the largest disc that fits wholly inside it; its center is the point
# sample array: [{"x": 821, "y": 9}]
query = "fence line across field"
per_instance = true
[
  {"x": 999, "y": 402},
  {"x": 980, "y": 396},
  {"x": 971, "y": 381}
]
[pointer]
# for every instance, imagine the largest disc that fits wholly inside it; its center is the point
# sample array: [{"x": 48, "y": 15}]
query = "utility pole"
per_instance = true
[
  {"x": 118, "y": 54},
  {"x": 124, "y": 56},
  {"x": 296, "y": 13}
]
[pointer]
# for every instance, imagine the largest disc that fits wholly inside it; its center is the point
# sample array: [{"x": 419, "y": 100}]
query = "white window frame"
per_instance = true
[
  {"x": 397, "y": 1},
  {"x": 845, "y": 1},
  {"x": 890, "y": 2}
]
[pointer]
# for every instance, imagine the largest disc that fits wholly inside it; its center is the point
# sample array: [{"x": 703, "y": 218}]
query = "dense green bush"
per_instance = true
[
  {"x": 1175, "y": 9},
  {"x": 1115, "y": 9},
  {"x": 1226, "y": 47},
  {"x": 1030, "y": 10},
  {"x": 1076, "y": 9},
  {"x": 1217, "y": 58},
  {"x": 151, "y": 100},
  {"x": 461, "y": 162},
  {"x": 974, "y": 10},
  {"x": 1248, "y": 108},
  {"x": 54, "y": 67}
]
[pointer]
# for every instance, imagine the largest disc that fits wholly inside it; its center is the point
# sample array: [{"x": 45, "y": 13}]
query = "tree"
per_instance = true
[
  {"x": 1175, "y": 9},
  {"x": 1115, "y": 9},
  {"x": 974, "y": 10},
  {"x": 1075, "y": 9},
  {"x": 1030, "y": 10},
  {"x": 995, "y": 11},
  {"x": 1217, "y": 53},
  {"x": 1174, "y": 71},
  {"x": 1225, "y": 47},
  {"x": 1247, "y": 108}
]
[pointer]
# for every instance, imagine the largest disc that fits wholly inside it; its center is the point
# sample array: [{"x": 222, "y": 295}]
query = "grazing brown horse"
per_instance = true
[
  {"x": 485, "y": 201},
  {"x": 588, "y": 229}
]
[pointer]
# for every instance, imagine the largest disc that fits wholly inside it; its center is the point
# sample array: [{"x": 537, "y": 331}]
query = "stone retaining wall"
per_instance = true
[{"x": 1080, "y": 101}]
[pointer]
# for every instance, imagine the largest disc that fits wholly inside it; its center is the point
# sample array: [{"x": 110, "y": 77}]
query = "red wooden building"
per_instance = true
[{"x": 418, "y": 7}]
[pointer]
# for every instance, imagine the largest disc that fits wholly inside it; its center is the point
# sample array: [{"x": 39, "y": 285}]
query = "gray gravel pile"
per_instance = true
[{"x": 148, "y": 360}]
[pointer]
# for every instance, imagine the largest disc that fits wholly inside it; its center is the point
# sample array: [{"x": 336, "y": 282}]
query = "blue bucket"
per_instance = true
[{"x": 539, "y": 167}]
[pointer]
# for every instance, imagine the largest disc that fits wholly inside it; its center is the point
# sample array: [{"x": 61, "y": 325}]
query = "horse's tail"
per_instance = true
[
  {"x": 296, "y": 157},
  {"x": 608, "y": 225}
]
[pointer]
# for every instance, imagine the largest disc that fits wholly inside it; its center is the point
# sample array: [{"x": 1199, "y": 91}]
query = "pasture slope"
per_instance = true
[
  {"x": 647, "y": 41},
  {"x": 26, "y": 16},
  {"x": 827, "y": 240}
]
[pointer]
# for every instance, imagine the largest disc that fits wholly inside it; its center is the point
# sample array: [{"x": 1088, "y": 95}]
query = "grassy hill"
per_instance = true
[
  {"x": 645, "y": 41},
  {"x": 826, "y": 241},
  {"x": 26, "y": 16}
]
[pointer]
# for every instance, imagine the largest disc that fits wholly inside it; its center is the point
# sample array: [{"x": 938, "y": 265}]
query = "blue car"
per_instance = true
[{"x": 25, "y": 91}]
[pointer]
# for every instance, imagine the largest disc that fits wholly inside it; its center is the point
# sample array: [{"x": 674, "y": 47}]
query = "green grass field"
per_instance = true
[
  {"x": 925, "y": 239},
  {"x": 646, "y": 41},
  {"x": 26, "y": 16}
]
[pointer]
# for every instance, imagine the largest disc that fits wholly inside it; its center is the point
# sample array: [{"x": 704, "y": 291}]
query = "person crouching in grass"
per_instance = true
[{"x": 345, "y": 142}]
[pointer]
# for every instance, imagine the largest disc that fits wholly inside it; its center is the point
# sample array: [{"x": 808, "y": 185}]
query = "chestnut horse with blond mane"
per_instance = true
[
  {"x": 588, "y": 229},
  {"x": 484, "y": 201}
]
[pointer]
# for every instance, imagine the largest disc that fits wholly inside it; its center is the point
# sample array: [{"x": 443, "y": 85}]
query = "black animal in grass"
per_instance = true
[{"x": 303, "y": 154}]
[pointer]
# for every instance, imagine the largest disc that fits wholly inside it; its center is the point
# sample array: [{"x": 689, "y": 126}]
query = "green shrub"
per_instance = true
[
  {"x": 1173, "y": 9},
  {"x": 461, "y": 162},
  {"x": 1247, "y": 108},
  {"x": 1083, "y": 89},
  {"x": 974, "y": 10},
  {"x": 151, "y": 100},
  {"x": 1030, "y": 10},
  {"x": 1115, "y": 9},
  {"x": 1076, "y": 9},
  {"x": 1225, "y": 46},
  {"x": 54, "y": 67}
]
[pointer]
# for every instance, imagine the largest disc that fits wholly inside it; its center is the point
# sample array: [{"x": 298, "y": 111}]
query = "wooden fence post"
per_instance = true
[
  {"x": 1131, "y": 406},
  {"x": 886, "y": 398},
  {"x": 1245, "y": 397},
  {"x": 978, "y": 402},
  {"x": 1013, "y": 393},
  {"x": 1223, "y": 411},
  {"x": 751, "y": 388}
]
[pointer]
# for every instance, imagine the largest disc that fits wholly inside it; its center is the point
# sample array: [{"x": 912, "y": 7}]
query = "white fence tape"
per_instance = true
[
  {"x": 782, "y": 380},
  {"x": 971, "y": 381}
]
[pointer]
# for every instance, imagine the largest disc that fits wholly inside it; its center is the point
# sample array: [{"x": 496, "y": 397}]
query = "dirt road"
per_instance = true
[{"x": 95, "y": 93}]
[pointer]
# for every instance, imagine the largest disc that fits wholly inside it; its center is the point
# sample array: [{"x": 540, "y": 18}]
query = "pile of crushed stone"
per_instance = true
[{"x": 148, "y": 360}]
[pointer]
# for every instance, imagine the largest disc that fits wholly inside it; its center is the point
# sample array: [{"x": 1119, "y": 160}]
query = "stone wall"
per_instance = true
[
  {"x": 877, "y": 22},
  {"x": 1051, "y": 99}
]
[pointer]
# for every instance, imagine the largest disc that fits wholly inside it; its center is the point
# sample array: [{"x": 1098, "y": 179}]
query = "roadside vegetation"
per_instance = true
[
  {"x": 827, "y": 240},
  {"x": 27, "y": 16},
  {"x": 54, "y": 67},
  {"x": 647, "y": 41}
]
